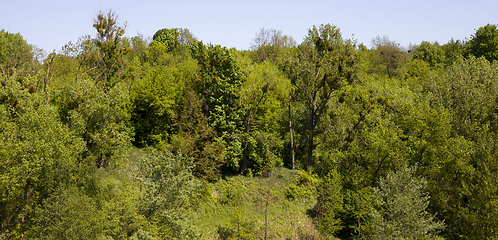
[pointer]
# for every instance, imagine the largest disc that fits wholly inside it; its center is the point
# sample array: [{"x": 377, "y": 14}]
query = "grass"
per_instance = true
[{"x": 259, "y": 202}]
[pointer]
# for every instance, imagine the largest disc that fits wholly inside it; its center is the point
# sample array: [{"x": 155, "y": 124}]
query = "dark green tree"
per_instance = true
[
  {"x": 219, "y": 82},
  {"x": 321, "y": 65},
  {"x": 15, "y": 53},
  {"x": 168, "y": 37},
  {"x": 484, "y": 43}
]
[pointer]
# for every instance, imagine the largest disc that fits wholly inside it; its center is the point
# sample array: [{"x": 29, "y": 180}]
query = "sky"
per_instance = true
[{"x": 52, "y": 24}]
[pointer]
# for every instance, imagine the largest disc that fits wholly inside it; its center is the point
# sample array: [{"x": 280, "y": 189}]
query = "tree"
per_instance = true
[
  {"x": 108, "y": 40},
  {"x": 270, "y": 43},
  {"x": 403, "y": 204},
  {"x": 38, "y": 154},
  {"x": 260, "y": 92},
  {"x": 433, "y": 54},
  {"x": 321, "y": 65},
  {"x": 101, "y": 119},
  {"x": 167, "y": 187},
  {"x": 465, "y": 193},
  {"x": 330, "y": 203},
  {"x": 484, "y": 42},
  {"x": 390, "y": 53},
  {"x": 197, "y": 139},
  {"x": 169, "y": 37},
  {"x": 67, "y": 214},
  {"x": 15, "y": 53},
  {"x": 156, "y": 96},
  {"x": 219, "y": 82}
]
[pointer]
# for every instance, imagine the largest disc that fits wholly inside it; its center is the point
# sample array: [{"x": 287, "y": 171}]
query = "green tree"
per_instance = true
[
  {"x": 155, "y": 98},
  {"x": 453, "y": 50},
  {"x": 403, "y": 208},
  {"x": 67, "y": 214},
  {"x": 330, "y": 203},
  {"x": 262, "y": 92},
  {"x": 433, "y": 54},
  {"x": 38, "y": 154},
  {"x": 108, "y": 43},
  {"x": 321, "y": 65},
  {"x": 390, "y": 53},
  {"x": 15, "y": 53},
  {"x": 270, "y": 44},
  {"x": 196, "y": 138},
  {"x": 168, "y": 37},
  {"x": 219, "y": 82},
  {"x": 101, "y": 119},
  {"x": 468, "y": 89},
  {"x": 167, "y": 188},
  {"x": 484, "y": 43}
]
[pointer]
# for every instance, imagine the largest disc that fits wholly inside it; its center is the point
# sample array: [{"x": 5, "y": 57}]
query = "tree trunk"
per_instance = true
[
  {"x": 310, "y": 143},
  {"x": 245, "y": 157},
  {"x": 291, "y": 138}
]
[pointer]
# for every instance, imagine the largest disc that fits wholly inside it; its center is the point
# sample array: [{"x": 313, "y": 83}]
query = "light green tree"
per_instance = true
[
  {"x": 433, "y": 54},
  {"x": 38, "y": 153},
  {"x": 167, "y": 188},
  {"x": 262, "y": 93},
  {"x": 403, "y": 208}
]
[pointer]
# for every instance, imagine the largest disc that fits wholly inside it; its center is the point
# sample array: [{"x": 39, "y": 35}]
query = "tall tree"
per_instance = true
[
  {"x": 263, "y": 85},
  {"x": 218, "y": 82},
  {"x": 109, "y": 32},
  {"x": 321, "y": 65}
]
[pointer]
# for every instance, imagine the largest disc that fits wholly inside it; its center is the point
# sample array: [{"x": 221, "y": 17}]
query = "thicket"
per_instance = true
[{"x": 119, "y": 137}]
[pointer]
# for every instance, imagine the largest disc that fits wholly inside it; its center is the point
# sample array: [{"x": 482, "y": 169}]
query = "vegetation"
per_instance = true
[{"x": 118, "y": 137}]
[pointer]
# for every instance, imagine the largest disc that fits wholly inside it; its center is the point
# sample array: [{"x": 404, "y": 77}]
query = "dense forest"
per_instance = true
[{"x": 116, "y": 137}]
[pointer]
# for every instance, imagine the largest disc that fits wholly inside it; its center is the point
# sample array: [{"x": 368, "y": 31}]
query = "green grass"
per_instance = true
[{"x": 250, "y": 199}]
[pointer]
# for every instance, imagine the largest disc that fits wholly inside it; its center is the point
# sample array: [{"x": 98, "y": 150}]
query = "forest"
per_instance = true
[{"x": 116, "y": 137}]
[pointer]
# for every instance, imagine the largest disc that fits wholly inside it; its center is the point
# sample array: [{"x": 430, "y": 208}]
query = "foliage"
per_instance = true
[
  {"x": 196, "y": 139},
  {"x": 270, "y": 44},
  {"x": 321, "y": 65},
  {"x": 391, "y": 54},
  {"x": 264, "y": 153},
  {"x": 484, "y": 43},
  {"x": 67, "y": 214},
  {"x": 168, "y": 37},
  {"x": 167, "y": 188},
  {"x": 155, "y": 97},
  {"x": 330, "y": 203},
  {"x": 433, "y": 54},
  {"x": 15, "y": 53},
  {"x": 108, "y": 41},
  {"x": 219, "y": 83},
  {"x": 38, "y": 154},
  {"x": 101, "y": 119},
  {"x": 403, "y": 204}
]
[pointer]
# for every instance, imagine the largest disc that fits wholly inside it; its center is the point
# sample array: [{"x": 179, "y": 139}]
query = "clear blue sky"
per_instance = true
[{"x": 51, "y": 24}]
